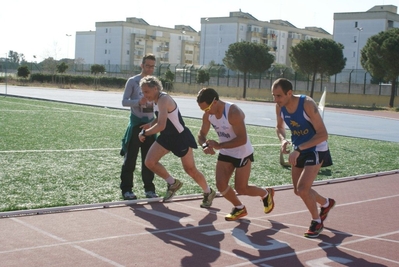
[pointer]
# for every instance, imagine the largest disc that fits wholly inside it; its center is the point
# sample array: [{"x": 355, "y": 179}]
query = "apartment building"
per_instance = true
[
  {"x": 125, "y": 42},
  {"x": 355, "y": 28},
  {"x": 217, "y": 33}
]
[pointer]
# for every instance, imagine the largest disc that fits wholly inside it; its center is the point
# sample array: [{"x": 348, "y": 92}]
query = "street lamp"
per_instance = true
[
  {"x": 68, "y": 35},
  {"x": 203, "y": 50},
  {"x": 359, "y": 29}
]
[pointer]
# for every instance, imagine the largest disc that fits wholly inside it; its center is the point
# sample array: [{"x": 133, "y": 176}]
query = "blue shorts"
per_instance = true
[
  {"x": 236, "y": 162},
  {"x": 314, "y": 158},
  {"x": 178, "y": 143}
]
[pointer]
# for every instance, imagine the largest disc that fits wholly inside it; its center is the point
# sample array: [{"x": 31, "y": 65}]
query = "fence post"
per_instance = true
[
  {"x": 321, "y": 82},
  {"x": 350, "y": 78},
  {"x": 335, "y": 83},
  {"x": 364, "y": 83}
]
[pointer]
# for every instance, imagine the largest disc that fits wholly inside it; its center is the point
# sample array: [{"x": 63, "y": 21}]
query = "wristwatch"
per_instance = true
[
  {"x": 296, "y": 148},
  {"x": 143, "y": 132},
  {"x": 204, "y": 145}
]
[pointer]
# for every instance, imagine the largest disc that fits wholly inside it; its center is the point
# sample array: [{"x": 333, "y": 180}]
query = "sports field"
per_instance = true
[{"x": 56, "y": 154}]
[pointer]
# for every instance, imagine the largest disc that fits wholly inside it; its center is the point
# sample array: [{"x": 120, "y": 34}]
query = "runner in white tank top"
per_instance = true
[
  {"x": 226, "y": 133},
  {"x": 235, "y": 151}
]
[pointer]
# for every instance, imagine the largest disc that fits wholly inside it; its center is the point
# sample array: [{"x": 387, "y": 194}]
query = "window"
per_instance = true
[
  {"x": 106, "y": 30},
  {"x": 355, "y": 24},
  {"x": 127, "y": 52},
  {"x": 354, "y": 54},
  {"x": 355, "y": 39},
  {"x": 106, "y": 40}
]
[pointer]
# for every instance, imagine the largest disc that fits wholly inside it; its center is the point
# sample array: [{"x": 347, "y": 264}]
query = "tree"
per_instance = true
[
  {"x": 23, "y": 72},
  {"x": 248, "y": 57},
  {"x": 96, "y": 69},
  {"x": 15, "y": 57},
  {"x": 61, "y": 68},
  {"x": 167, "y": 82},
  {"x": 202, "y": 76},
  {"x": 318, "y": 56},
  {"x": 380, "y": 57}
]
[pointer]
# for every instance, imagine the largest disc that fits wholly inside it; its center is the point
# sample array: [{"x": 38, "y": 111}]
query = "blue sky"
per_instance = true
[{"x": 41, "y": 27}]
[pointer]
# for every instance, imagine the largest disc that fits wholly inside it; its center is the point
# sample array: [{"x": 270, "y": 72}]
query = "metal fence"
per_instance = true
[{"x": 348, "y": 81}]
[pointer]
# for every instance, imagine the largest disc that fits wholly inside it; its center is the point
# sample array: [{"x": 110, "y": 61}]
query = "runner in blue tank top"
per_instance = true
[{"x": 310, "y": 149}]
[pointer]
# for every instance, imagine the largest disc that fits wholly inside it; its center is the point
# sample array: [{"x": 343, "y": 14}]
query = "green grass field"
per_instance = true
[{"x": 55, "y": 154}]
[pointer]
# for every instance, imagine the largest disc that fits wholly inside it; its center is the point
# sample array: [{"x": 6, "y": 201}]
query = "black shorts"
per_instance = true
[
  {"x": 178, "y": 143},
  {"x": 236, "y": 162},
  {"x": 314, "y": 158}
]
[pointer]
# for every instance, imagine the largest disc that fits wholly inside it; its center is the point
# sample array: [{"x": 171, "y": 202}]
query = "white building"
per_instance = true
[
  {"x": 217, "y": 33},
  {"x": 123, "y": 43},
  {"x": 355, "y": 28},
  {"x": 84, "y": 47}
]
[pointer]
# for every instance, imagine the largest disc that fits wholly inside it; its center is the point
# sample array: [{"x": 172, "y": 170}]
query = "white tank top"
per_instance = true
[{"x": 225, "y": 132}]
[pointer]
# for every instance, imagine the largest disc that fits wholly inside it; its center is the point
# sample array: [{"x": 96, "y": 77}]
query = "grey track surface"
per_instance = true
[{"x": 378, "y": 125}]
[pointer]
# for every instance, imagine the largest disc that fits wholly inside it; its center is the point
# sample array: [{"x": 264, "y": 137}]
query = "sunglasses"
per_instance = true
[{"x": 209, "y": 107}]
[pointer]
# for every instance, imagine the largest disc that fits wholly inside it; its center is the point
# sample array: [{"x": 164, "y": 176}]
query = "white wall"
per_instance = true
[{"x": 84, "y": 47}]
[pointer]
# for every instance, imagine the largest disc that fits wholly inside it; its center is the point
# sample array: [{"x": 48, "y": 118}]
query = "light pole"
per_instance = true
[
  {"x": 203, "y": 50},
  {"x": 68, "y": 35},
  {"x": 359, "y": 29}
]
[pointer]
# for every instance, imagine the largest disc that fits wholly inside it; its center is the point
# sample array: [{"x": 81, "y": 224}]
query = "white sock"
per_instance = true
[
  {"x": 326, "y": 205},
  {"x": 170, "y": 180},
  {"x": 317, "y": 220},
  {"x": 207, "y": 190},
  {"x": 240, "y": 207}
]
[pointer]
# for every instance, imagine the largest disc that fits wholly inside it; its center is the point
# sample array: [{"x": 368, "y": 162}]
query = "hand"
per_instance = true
[
  {"x": 143, "y": 101},
  {"x": 285, "y": 147},
  {"x": 213, "y": 144},
  {"x": 141, "y": 137},
  {"x": 208, "y": 150},
  {"x": 293, "y": 157}
]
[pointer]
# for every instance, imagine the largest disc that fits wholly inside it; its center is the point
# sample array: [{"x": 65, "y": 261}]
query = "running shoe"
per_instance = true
[
  {"x": 314, "y": 230},
  {"x": 171, "y": 190},
  {"x": 324, "y": 211},
  {"x": 151, "y": 194},
  {"x": 208, "y": 198},
  {"x": 268, "y": 201},
  {"x": 236, "y": 214},
  {"x": 129, "y": 196}
]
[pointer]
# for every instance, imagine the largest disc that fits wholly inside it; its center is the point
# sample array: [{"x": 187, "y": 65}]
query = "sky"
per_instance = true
[{"x": 47, "y": 28}]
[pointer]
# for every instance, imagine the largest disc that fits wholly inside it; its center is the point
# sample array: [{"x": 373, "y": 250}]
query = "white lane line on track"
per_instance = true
[
  {"x": 91, "y": 253},
  {"x": 59, "y": 150}
]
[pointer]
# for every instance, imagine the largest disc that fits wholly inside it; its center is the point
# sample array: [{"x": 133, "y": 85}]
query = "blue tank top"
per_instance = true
[{"x": 301, "y": 128}]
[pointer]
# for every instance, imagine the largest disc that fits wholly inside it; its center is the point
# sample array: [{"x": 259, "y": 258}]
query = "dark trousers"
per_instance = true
[{"x": 129, "y": 163}]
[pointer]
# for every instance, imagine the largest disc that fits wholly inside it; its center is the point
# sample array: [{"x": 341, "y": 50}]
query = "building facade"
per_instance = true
[
  {"x": 123, "y": 43},
  {"x": 218, "y": 33},
  {"x": 355, "y": 28}
]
